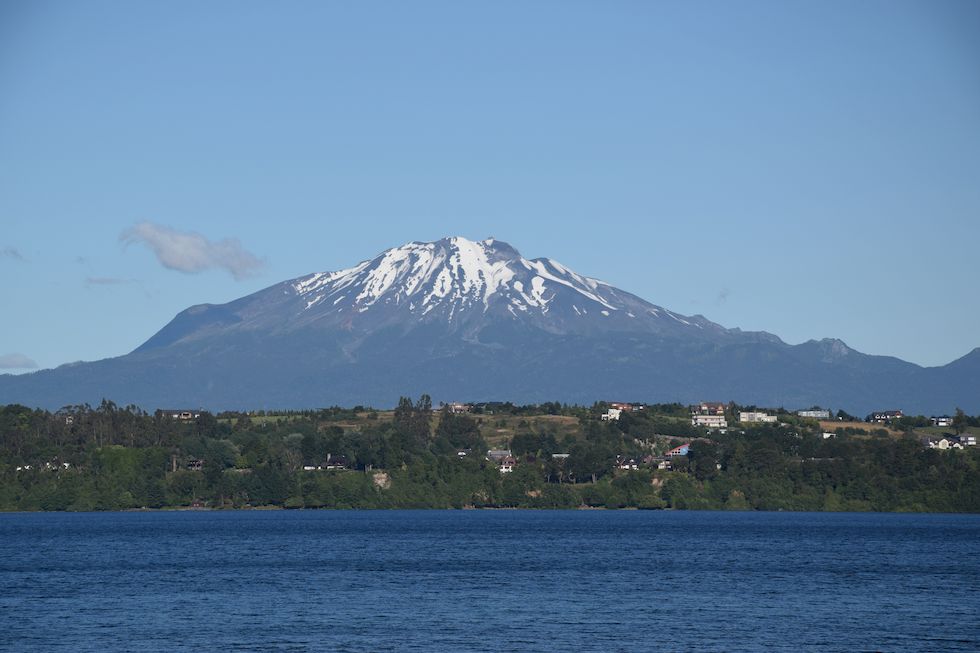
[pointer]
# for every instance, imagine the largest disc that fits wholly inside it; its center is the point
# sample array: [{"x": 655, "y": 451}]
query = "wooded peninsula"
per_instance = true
[{"x": 483, "y": 455}]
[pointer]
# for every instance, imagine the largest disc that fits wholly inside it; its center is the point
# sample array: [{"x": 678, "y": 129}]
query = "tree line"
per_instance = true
[{"x": 111, "y": 457}]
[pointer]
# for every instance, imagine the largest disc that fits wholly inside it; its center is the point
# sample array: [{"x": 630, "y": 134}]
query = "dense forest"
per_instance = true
[{"x": 114, "y": 458}]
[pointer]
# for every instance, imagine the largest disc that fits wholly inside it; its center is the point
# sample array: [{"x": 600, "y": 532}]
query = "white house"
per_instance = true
[
  {"x": 611, "y": 414},
  {"x": 815, "y": 414},
  {"x": 944, "y": 444},
  {"x": 750, "y": 417},
  {"x": 709, "y": 421},
  {"x": 884, "y": 416}
]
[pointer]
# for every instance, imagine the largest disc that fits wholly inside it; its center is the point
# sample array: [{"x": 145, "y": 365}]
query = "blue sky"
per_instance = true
[{"x": 806, "y": 168}]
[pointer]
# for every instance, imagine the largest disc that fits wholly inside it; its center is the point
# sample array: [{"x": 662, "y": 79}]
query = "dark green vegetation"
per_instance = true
[{"x": 112, "y": 458}]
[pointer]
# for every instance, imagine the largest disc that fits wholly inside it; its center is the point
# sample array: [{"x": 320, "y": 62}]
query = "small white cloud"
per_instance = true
[
  {"x": 11, "y": 253},
  {"x": 191, "y": 252},
  {"x": 16, "y": 362}
]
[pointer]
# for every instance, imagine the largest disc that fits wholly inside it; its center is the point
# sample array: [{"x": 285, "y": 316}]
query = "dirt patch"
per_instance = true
[
  {"x": 381, "y": 480},
  {"x": 830, "y": 426}
]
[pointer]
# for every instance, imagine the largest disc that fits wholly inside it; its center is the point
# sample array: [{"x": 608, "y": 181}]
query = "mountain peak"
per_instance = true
[{"x": 454, "y": 274}]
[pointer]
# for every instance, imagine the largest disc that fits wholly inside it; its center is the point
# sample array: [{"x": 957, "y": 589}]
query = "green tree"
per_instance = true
[
  {"x": 703, "y": 457},
  {"x": 959, "y": 421}
]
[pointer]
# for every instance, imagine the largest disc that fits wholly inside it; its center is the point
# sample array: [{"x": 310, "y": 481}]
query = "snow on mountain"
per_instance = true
[
  {"x": 455, "y": 278},
  {"x": 424, "y": 274},
  {"x": 452, "y": 271}
]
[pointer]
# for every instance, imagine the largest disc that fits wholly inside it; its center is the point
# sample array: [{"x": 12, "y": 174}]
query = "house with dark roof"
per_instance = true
[
  {"x": 623, "y": 462},
  {"x": 507, "y": 464},
  {"x": 336, "y": 461}
]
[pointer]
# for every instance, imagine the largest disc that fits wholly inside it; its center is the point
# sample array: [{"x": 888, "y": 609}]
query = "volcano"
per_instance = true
[{"x": 475, "y": 321}]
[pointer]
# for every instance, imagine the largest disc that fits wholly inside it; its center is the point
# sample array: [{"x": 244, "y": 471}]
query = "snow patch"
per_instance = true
[
  {"x": 537, "y": 290},
  {"x": 591, "y": 286},
  {"x": 314, "y": 301},
  {"x": 682, "y": 321}
]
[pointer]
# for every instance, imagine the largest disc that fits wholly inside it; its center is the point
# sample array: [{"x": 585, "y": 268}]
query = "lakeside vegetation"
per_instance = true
[{"x": 116, "y": 458}]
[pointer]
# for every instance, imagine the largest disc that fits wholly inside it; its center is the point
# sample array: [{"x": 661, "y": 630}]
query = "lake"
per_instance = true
[{"x": 489, "y": 581}]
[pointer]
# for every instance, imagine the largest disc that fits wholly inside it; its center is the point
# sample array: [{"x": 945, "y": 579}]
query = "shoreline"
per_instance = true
[{"x": 183, "y": 509}]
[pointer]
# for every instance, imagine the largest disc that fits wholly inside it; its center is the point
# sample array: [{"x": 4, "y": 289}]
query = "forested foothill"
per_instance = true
[{"x": 489, "y": 455}]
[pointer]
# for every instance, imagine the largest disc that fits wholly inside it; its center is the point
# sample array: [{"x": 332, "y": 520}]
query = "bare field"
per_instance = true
[{"x": 831, "y": 425}]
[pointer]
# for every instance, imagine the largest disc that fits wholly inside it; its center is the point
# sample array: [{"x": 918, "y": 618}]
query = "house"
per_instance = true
[
  {"x": 560, "y": 456},
  {"x": 195, "y": 464},
  {"x": 710, "y": 414},
  {"x": 503, "y": 458},
  {"x": 753, "y": 417},
  {"x": 942, "y": 420},
  {"x": 507, "y": 464},
  {"x": 968, "y": 440},
  {"x": 457, "y": 408},
  {"x": 884, "y": 416},
  {"x": 814, "y": 413},
  {"x": 180, "y": 414},
  {"x": 709, "y": 421},
  {"x": 678, "y": 451},
  {"x": 709, "y": 408},
  {"x": 496, "y": 455},
  {"x": 827, "y": 435},
  {"x": 629, "y": 408},
  {"x": 336, "y": 461},
  {"x": 611, "y": 414},
  {"x": 943, "y": 444},
  {"x": 626, "y": 463}
]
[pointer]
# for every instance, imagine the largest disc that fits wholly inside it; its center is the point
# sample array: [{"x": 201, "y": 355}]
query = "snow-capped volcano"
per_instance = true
[
  {"x": 453, "y": 284},
  {"x": 465, "y": 320}
]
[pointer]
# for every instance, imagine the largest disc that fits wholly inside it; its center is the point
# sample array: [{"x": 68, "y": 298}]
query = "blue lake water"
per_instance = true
[{"x": 489, "y": 581}]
